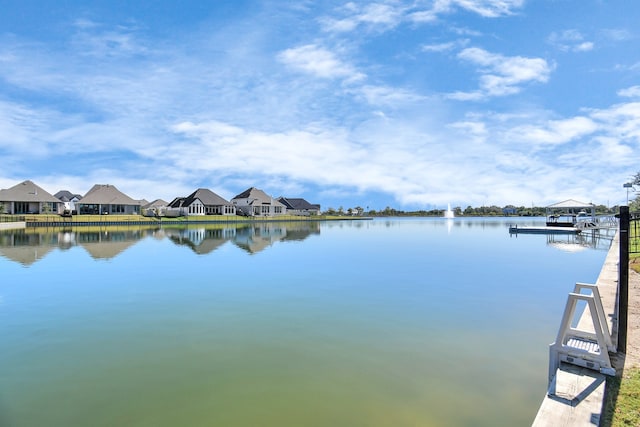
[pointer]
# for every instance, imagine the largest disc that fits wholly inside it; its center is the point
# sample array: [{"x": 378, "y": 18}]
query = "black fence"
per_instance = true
[{"x": 634, "y": 232}]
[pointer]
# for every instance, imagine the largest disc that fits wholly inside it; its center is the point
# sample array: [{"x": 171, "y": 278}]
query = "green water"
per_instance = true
[{"x": 388, "y": 323}]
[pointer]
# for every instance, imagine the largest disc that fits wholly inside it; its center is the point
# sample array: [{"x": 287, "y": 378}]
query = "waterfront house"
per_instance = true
[
  {"x": 155, "y": 208},
  {"x": 28, "y": 198},
  {"x": 298, "y": 206},
  {"x": 68, "y": 199},
  {"x": 255, "y": 202},
  {"x": 107, "y": 199},
  {"x": 200, "y": 202}
]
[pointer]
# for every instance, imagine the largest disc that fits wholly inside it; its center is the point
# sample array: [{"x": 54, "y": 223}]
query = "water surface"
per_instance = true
[{"x": 390, "y": 322}]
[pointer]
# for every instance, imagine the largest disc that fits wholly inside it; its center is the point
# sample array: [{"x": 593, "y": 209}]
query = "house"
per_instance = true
[
  {"x": 155, "y": 208},
  {"x": 297, "y": 206},
  {"x": 200, "y": 202},
  {"x": 107, "y": 199},
  {"x": 68, "y": 199},
  {"x": 28, "y": 198},
  {"x": 254, "y": 202}
]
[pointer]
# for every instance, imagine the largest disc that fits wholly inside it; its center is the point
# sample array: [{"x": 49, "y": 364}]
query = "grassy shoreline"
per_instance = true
[{"x": 54, "y": 220}]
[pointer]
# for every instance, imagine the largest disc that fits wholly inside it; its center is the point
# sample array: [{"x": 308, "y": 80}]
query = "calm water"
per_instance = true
[{"x": 390, "y": 322}]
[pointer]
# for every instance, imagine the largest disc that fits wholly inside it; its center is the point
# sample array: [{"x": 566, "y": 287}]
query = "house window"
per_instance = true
[
  {"x": 278, "y": 209},
  {"x": 21, "y": 207},
  {"x": 117, "y": 208},
  {"x": 265, "y": 209}
]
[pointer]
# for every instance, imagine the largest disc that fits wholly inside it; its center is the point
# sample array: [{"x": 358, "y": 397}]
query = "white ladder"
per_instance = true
[{"x": 581, "y": 347}]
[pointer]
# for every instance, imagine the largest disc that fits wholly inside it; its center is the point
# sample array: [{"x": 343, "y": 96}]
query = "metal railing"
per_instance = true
[{"x": 634, "y": 232}]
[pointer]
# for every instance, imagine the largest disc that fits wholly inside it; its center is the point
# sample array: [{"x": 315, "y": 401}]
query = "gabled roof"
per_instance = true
[
  {"x": 157, "y": 203},
  {"x": 66, "y": 196},
  {"x": 256, "y": 195},
  {"x": 570, "y": 204},
  {"x": 106, "y": 194},
  {"x": 26, "y": 191},
  {"x": 177, "y": 202},
  {"x": 207, "y": 197},
  {"x": 297, "y": 203}
]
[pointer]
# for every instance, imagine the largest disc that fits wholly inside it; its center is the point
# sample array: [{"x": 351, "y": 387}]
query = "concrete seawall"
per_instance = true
[
  {"x": 578, "y": 400},
  {"x": 13, "y": 225}
]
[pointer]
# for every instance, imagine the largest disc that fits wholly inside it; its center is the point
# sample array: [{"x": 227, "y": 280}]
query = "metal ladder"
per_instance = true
[{"x": 581, "y": 347}]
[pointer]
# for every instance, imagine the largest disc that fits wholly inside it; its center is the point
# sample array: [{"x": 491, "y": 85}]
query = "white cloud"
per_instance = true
[
  {"x": 502, "y": 75},
  {"x": 319, "y": 62},
  {"x": 444, "y": 47},
  {"x": 488, "y": 8},
  {"x": 388, "y": 15},
  {"x": 375, "y": 16},
  {"x": 484, "y": 8},
  {"x": 554, "y": 132},
  {"x": 630, "y": 92},
  {"x": 570, "y": 40}
]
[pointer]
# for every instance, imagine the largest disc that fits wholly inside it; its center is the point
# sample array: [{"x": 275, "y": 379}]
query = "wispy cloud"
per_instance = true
[
  {"x": 484, "y": 8},
  {"x": 446, "y": 46},
  {"x": 570, "y": 41},
  {"x": 630, "y": 92},
  {"x": 320, "y": 62},
  {"x": 502, "y": 75},
  {"x": 371, "y": 15},
  {"x": 386, "y": 15},
  {"x": 553, "y": 132}
]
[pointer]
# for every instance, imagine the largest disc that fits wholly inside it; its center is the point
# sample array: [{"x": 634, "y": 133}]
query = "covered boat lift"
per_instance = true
[{"x": 569, "y": 212}]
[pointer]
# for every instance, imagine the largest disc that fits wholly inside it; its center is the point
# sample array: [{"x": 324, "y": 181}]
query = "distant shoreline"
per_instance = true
[{"x": 43, "y": 220}]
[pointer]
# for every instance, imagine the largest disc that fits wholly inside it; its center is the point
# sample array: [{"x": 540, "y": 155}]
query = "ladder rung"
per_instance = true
[{"x": 584, "y": 345}]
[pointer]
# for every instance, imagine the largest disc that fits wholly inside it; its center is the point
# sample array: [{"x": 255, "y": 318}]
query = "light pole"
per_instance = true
[{"x": 627, "y": 185}]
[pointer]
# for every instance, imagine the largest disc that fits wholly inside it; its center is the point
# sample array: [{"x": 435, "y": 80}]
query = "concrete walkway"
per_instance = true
[{"x": 579, "y": 392}]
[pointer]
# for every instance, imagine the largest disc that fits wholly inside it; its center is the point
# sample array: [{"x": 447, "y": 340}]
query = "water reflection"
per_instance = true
[{"x": 30, "y": 245}]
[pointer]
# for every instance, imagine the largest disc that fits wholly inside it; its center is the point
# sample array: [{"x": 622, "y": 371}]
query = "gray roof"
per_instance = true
[
  {"x": 207, "y": 197},
  {"x": 26, "y": 191},
  {"x": 105, "y": 194},
  {"x": 157, "y": 203},
  {"x": 256, "y": 195},
  {"x": 297, "y": 203},
  {"x": 66, "y": 196}
]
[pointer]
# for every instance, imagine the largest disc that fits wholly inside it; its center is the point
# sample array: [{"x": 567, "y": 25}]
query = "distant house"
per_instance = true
[
  {"x": 254, "y": 202},
  {"x": 155, "y": 208},
  {"x": 107, "y": 199},
  {"x": 28, "y": 198},
  {"x": 297, "y": 206},
  {"x": 200, "y": 202},
  {"x": 68, "y": 199}
]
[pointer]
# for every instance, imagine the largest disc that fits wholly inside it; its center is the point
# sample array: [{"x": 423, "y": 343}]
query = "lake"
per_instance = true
[{"x": 384, "y": 322}]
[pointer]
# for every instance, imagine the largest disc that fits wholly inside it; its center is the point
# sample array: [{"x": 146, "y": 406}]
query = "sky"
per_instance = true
[{"x": 412, "y": 104}]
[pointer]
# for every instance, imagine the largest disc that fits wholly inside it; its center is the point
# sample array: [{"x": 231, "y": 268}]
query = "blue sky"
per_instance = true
[{"x": 409, "y": 104}]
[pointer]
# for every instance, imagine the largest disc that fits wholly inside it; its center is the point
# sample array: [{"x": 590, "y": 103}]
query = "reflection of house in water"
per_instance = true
[
  {"x": 32, "y": 244},
  {"x": 26, "y": 248},
  {"x": 259, "y": 236},
  {"x": 107, "y": 243},
  {"x": 201, "y": 240}
]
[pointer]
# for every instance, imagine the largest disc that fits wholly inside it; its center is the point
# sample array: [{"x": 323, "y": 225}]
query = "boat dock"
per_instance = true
[
  {"x": 596, "y": 223},
  {"x": 576, "y": 393},
  {"x": 543, "y": 230}
]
